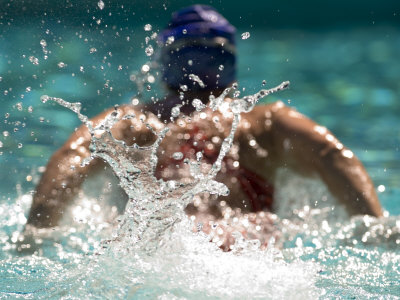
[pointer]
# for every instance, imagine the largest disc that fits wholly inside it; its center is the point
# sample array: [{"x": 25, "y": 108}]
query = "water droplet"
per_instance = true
[
  {"x": 245, "y": 35},
  {"x": 145, "y": 68},
  {"x": 198, "y": 104},
  {"x": 170, "y": 40},
  {"x": 100, "y": 4},
  {"x": 44, "y": 98},
  {"x": 197, "y": 79},
  {"x": 221, "y": 67},
  {"x": 199, "y": 156},
  {"x": 147, "y": 27},
  {"x": 135, "y": 101},
  {"x": 175, "y": 111},
  {"x": 149, "y": 50},
  {"x": 177, "y": 155},
  {"x": 34, "y": 60}
]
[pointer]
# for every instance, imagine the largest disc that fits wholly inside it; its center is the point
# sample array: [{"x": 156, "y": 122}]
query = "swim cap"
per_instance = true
[{"x": 199, "y": 41}]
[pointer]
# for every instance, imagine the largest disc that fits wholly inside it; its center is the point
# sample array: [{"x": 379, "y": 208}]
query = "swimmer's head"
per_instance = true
[{"x": 199, "y": 41}]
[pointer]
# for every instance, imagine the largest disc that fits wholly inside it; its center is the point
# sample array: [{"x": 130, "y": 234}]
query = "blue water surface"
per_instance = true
[{"x": 345, "y": 78}]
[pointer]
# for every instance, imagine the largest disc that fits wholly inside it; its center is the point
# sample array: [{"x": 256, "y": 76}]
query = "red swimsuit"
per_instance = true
[{"x": 258, "y": 191}]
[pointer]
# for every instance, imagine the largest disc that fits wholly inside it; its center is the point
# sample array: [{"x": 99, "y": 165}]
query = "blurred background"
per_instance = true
[{"x": 340, "y": 56}]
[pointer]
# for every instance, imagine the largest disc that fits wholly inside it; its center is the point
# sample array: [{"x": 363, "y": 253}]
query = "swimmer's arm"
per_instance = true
[
  {"x": 64, "y": 174},
  {"x": 62, "y": 178},
  {"x": 300, "y": 142}
]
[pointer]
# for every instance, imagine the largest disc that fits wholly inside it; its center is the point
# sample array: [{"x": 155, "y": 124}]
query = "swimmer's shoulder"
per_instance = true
[
  {"x": 263, "y": 116},
  {"x": 270, "y": 110}
]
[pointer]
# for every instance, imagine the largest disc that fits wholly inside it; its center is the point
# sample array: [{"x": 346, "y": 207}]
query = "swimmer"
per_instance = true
[{"x": 198, "y": 40}]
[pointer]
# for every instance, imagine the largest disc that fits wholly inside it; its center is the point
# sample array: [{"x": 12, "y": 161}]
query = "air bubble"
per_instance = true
[
  {"x": 20, "y": 145},
  {"x": 61, "y": 65},
  {"x": 93, "y": 50},
  {"x": 221, "y": 67},
  {"x": 147, "y": 27}
]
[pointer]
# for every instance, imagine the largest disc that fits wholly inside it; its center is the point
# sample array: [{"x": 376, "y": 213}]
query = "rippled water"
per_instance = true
[{"x": 346, "y": 80}]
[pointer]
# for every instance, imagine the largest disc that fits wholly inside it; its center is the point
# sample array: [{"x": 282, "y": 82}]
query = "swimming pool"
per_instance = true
[{"x": 344, "y": 78}]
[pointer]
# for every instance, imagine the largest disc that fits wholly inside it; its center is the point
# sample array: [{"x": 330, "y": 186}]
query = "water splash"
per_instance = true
[{"x": 156, "y": 205}]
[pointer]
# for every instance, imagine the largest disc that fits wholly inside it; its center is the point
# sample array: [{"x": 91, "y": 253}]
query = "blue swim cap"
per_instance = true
[{"x": 199, "y": 41}]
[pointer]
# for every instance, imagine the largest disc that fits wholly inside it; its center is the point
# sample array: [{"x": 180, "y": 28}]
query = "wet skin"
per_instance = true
[{"x": 269, "y": 137}]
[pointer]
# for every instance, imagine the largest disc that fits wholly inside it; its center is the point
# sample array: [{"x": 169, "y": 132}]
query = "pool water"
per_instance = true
[{"x": 344, "y": 78}]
